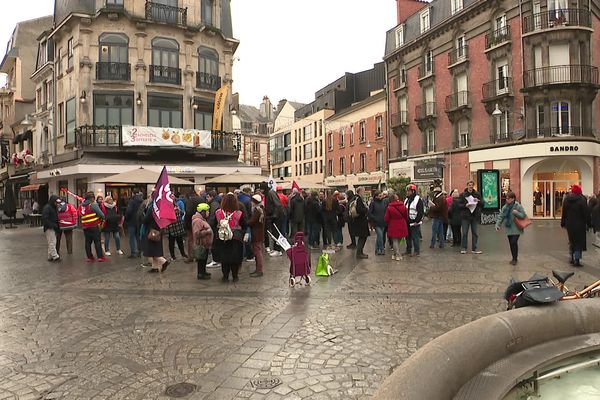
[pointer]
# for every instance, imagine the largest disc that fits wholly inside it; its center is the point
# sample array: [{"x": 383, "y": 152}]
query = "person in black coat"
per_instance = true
[
  {"x": 51, "y": 226},
  {"x": 576, "y": 219},
  {"x": 454, "y": 219},
  {"x": 350, "y": 195},
  {"x": 153, "y": 249},
  {"x": 297, "y": 211},
  {"x": 329, "y": 212},
  {"x": 361, "y": 224},
  {"x": 133, "y": 228},
  {"x": 313, "y": 219},
  {"x": 470, "y": 220},
  {"x": 112, "y": 220}
]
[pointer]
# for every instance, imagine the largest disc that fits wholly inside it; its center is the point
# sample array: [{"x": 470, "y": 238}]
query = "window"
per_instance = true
[
  {"x": 287, "y": 155},
  {"x": 49, "y": 92},
  {"x": 320, "y": 148},
  {"x": 38, "y": 98},
  {"x": 255, "y": 147},
  {"x": 329, "y": 167},
  {"x": 402, "y": 109},
  {"x": 500, "y": 22},
  {"x": 70, "y": 54},
  {"x": 320, "y": 128},
  {"x": 42, "y": 54},
  {"x": 502, "y": 126},
  {"x": 428, "y": 62},
  {"x": 352, "y": 164},
  {"x": 287, "y": 139},
  {"x": 70, "y": 121},
  {"x": 165, "y": 61},
  {"x": 402, "y": 76},
  {"x": 463, "y": 133},
  {"x": 560, "y": 117},
  {"x": 307, "y": 132},
  {"x": 207, "y": 12},
  {"x": 61, "y": 113},
  {"x": 399, "y": 35},
  {"x": 166, "y": 14},
  {"x": 363, "y": 132},
  {"x": 165, "y": 111},
  {"x": 113, "y": 109},
  {"x": 362, "y": 163},
  {"x": 425, "y": 20},
  {"x": 342, "y": 138},
  {"x": 330, "y": 141},
  {"x": 307, "y": 151},
  {"x": 308, "y": 168},
  {"x": 456, "y": 6},
  {"x": 351, "y": 134},
  {"x": 59, "y": 65},
  {"x": 114, "y": 3},
  {"x": 203, "y": 120},
  {"x": 430, "y": 140},
  {"x": 502, "y": 76},
  {"x": 113, "y": 57},
  {"x": 379, "y": 159},
  {"x": 379, "y": 126},
  {"x": 342, "y": 165},
  {"x": 404, "y": 145},
  {"x": 540, "y": 119},
  {"x": 208, "y": 69},
  {"x": 461, "y": 48}
]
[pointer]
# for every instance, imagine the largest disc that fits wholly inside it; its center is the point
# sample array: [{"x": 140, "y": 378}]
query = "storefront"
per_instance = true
[{"x": 541, "y": 174}]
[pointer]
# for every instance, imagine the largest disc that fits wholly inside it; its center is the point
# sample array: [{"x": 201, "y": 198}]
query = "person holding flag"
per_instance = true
[
  {"x": 159, "y": 214},
  {"x": 91, "y": 219}
]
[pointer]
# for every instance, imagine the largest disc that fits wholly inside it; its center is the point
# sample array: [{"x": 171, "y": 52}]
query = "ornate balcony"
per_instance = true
[
  {"x": 113, "y": 71},
  {"x": 458, "y": 100},
  {"x": 458, "y": 55},
  {"x": 426, "y": 69},
  {"x": 208, "y": 81},
  {"x": 168, "y": 14},
  {"x": 399, "y": 119},
  {"x": 560, "y": 75},
  {"x": 425, "y": 110},
  {"x": 571, "y": 17},
  {"x": 497, "y": 88},
  {"x": 161, "y": 74},
  {"x": 497, "y": 37}
]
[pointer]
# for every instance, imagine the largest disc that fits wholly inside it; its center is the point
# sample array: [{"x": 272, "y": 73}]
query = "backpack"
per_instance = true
[
  {"x": 224, "y": 230},
  {"x": 353, "y": 212}
]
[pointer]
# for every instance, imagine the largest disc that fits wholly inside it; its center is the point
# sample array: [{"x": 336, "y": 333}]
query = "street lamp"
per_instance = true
[{"x": 497, "y": 113}]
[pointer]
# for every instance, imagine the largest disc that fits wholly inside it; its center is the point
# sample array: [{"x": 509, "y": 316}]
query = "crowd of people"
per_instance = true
[{"x": 230, "y": 228}]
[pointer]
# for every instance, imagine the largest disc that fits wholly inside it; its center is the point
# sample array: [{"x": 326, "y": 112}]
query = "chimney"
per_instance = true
[
  {"x": 406, "y": 8},
  {"x": 266, "y": 109}
]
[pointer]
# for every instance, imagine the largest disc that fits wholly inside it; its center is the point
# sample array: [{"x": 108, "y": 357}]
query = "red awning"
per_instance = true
[{"x": 30, "y": 188}]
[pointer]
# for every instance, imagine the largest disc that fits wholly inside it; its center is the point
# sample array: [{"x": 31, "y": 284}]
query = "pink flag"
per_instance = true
[{"x": 162, "y": 209}]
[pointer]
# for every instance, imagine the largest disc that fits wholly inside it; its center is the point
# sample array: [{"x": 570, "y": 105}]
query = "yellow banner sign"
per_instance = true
[{"x": 220, "y": 100}]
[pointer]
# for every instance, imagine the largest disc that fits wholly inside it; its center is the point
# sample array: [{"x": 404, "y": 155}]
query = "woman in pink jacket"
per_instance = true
[{"x": 396, "y": 218}]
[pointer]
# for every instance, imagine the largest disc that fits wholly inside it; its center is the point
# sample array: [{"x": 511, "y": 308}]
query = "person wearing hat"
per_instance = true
[
  {"x": 257, "y": 226},
  {"x": 438, "y": 213},
  {"x": 576, "y": 219},
  {"x": 415, "y": 208},
  {"x": 202, "y": 235}
]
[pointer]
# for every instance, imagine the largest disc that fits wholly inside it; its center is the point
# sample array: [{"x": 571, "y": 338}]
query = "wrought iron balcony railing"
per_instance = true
[
  {"x": 425, "y": 110},
  {"x": 207, "y": 81},
  {"x": 164, "y": 13},
  {"x": 161, "y": 74},
  {"x": 400, "y": 118},
  {"x": 113, "y": 71},
  {"x": 561, "y": 74},
  {"x": 458, "y": 54},
  {"x": 557, "y": 18},
  {"x": 497, "y": 37},
  {"x": 458, "y": 100},
  {"x": 426, "y": 69},
  {"x": 496, "y": 88}
]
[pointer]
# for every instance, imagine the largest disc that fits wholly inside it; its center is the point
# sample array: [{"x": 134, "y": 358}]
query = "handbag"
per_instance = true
[
  {"x": 199, "y": 253},
  {"x": 154, "y": 235},
  {"x": 522, "y": 223}
]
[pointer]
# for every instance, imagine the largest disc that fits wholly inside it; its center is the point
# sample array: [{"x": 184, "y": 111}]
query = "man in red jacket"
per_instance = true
[{"x": 67, "y": 221}]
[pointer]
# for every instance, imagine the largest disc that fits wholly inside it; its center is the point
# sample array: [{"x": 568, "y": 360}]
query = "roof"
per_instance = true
[
  {"x": 248, "y": 113},
  {"x": 296, "y": 105},
  {"x": 24, "y": 36}
]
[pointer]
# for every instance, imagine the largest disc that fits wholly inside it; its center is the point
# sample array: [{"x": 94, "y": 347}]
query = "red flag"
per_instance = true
[
  {"x": 295, "y": 186},
  {"x": 162, "y": 208},
  {"x": 65, "y": 190}
]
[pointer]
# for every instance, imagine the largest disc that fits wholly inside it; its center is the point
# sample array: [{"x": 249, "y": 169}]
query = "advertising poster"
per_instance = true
[
  {"x": 164, "y": 137},
  {"x": 489, "y": 182}
]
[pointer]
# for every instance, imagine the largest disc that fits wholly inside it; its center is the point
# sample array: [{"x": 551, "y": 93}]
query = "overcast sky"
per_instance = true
[{"x": 288, "y": 49}]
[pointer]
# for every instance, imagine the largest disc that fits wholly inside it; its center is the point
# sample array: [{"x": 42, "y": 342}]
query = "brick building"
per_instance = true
[{"x": 501, "y": 84}]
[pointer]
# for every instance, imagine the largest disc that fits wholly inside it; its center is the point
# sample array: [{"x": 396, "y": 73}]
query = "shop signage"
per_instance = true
[
  {"x": 370, "y": 178},
  {"x": 554, "y": 149},
  {"x": 340, "y": 180},
  {"x": 165, "y": 137},
  {"x": 427, "y": 171},
  {"x": 181, "y": 170},
  {"x": 489, "y": 182}
]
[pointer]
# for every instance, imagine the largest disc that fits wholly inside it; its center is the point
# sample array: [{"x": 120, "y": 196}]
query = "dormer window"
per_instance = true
[
  {"x": 456, "y": 6},
  {"x": 399, "y": 36},
  {"x": 425, "y": 20}
]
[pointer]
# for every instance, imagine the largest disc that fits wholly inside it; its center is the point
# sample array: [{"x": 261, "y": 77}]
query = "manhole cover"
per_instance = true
[
  {"x": 265, "y": 383},
  {"x": 180, "y": 389}
]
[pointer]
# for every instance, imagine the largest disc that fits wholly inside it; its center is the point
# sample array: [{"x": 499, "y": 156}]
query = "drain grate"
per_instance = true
[
  {"x": 179, "y": 390},
  {"x": 265, "y": 383}
]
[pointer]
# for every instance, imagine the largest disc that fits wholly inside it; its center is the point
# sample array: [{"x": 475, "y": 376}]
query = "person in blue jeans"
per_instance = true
[
  {"x": 438, "y": 212},
  {"x": 376, "y": 218},
  {"x": 415, "y": 208},
  {"x": 470, "y": 204}
]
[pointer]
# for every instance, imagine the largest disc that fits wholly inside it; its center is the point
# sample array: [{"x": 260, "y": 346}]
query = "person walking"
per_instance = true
[
  {"x": 396, "y": 218},
  {"x": 338, "y": 236},
  {"x": 191, "y": 206},
  {"x": 51, "y": 226},
  {"x": 202, "y": 235},
  {"x": 257, "y": 225},
  {"x": 454, "y": 219},
  {"x": 67, "y": 221},
  {"x": 376, "y": 217},
  {"x": 91, "y": 219},
  {"x": 112, "y": 221},
  {"x": 415, "y": 209},
  {"x": 511, "y": 210},
  {"x": 274, "y": 215},
  {"x": 351, "y": 197},
  {"x": 230, "y": 252},
  {"x": 284, "y": 220},
  {"x": 361, "y": 223},
  {"x": 438, "y": 213},
  {"x": 470, "y": 206},
  {"x": 132, "y": 225},
  {"x": 153, "y": 244},
  {"x": 214, "y": 200},
  {"x": 176, "y": 232},
  {"x": 329, "y": 215},
  {"x": 296, "y": 212},
  {"x": 576, "y": 219},
  {"x": 245, "y": 199},
  {"x": 313, "y": 220}
]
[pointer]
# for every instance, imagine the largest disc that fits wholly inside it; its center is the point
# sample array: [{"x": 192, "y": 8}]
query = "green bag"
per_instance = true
[
  {"x": 199, "y": 253},
  {"x": 322, "y": 265}
]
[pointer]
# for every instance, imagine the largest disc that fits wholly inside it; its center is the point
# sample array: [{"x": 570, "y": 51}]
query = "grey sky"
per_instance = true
[{"x": 289, "y": 49}]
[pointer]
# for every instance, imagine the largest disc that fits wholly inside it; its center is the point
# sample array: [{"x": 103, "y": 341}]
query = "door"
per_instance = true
[
  {"x": 537, "y": 17},
  {"x": 429, "y": 101}
]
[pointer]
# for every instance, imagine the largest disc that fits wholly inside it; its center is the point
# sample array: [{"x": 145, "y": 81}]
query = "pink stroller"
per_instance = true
[{"x": 299, "y": 260}]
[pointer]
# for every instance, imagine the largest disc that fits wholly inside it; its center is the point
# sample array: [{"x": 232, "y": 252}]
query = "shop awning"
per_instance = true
[
  {"x": 142, "y": 175},
  {"x": 29, "y": 188},
  {"x": 237, "y": 178}
]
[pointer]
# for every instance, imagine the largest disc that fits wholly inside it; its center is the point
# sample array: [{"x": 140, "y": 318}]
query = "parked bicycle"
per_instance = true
[{"x": 541, "y": 289}]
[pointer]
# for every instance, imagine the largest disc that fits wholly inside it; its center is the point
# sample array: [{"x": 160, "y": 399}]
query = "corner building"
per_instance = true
[{"x": 501, "y": 84}]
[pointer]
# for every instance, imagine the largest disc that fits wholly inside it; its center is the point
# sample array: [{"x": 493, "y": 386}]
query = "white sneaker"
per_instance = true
[
  {"x": 213, "y": 264},
  {"x": 120, "y": 252},
  {"x": 268, "y": 249},
  {"x": 275, "y": 253},
  {"x": 107, "y": 253}
]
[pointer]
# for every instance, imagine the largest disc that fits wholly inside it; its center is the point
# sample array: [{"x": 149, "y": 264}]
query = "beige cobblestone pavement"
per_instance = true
[{"x": 111, "y": 331}]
